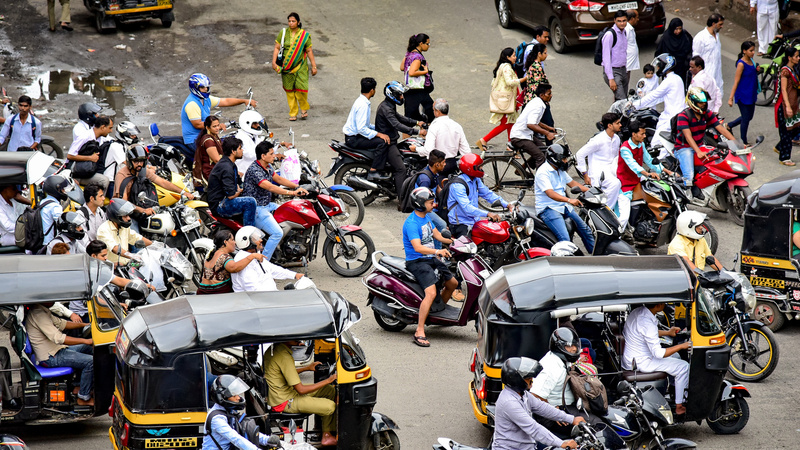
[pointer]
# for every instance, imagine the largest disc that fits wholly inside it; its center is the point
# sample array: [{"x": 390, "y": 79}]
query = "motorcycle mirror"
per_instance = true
[
  {"x": 140, "y": 244},
  {"x": 633, "y": 365},
  {"x": 218, "y": 114},
  {"x": 759, "y": 140},
  {"x": 521, "y": 195},
  {"x": 602, "y": 177},
  {"x": 447, "y": 234},
  {"x": 496, "y": 204},
  {"x": 576, "y": 431},
  {"x": 576, "y": 190},
  {"x": 631, "y": 93},
  {"x": 623, "y": 387},
  {"x": 249, "y": 92},
  {"x": 579, "y": 403}
]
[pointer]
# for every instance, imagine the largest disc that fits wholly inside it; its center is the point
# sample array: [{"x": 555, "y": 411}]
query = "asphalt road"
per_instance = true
[{"x": 424, "y": 390}]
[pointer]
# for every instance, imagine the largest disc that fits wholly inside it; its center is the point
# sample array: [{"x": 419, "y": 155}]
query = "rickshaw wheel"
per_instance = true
[
  {"x": 756, "y": 335},
  {"x": 387, "y": 440},
  {"x": 729, "y": 416},
  {"x": 389, "y": 324},
  {"x": 767, "y": 312}
]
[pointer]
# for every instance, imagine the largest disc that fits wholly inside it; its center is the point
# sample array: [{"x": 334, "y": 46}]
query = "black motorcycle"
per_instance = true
[
  {"x": 604, "y": 223},
  {"x": 588, "y": 437}
]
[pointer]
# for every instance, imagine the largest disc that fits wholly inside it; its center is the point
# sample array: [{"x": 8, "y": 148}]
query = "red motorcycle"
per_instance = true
[{"x": 347, "y": 248}]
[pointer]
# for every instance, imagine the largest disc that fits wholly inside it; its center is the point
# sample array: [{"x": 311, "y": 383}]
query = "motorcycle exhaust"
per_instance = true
[{"x": 361, "y": 184}]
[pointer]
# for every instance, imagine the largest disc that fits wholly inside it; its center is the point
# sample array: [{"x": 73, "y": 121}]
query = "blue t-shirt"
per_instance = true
[{"x": 416, "y": 227}]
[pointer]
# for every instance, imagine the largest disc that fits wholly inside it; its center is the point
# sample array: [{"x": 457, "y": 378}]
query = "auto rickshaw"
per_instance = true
[
  {"x": 767, "y": 253},
  {"x": 109, "y": 13},
  {"x": 522, "y": 304},
  {"x": 163, "y": 366}
]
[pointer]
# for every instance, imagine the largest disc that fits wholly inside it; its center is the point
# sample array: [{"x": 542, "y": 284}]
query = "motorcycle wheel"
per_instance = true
[
  {"x": 354, "y": 207},
  {"x": 729, "y": 416},
  {"x": 49, "y": 147},
  {"x": 761, "y": 363},
  {"x": 354, "y": 253},
  {"x": 767, "y": 79},
  {"x": 387, "y": 440},
  {"x": 505, "y": 177},
  {"x": 197, "y": 275},
  {"x": 389, "y": 324},
  {"x": 359, "y": 170},
  {"x": 712, "y": 238},
  {"x": 769, "y": 314},
  {"x": 737, "y": 202}
]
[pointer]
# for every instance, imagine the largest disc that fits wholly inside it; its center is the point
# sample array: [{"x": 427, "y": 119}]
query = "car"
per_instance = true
[{"x": 579, "y": 22}]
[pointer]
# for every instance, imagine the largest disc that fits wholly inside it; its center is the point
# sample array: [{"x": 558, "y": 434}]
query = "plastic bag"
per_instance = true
[{"x": 291, "y": 169}]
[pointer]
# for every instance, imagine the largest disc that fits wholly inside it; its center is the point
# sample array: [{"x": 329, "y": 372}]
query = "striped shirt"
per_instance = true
[{"x": 687, "y": 119}]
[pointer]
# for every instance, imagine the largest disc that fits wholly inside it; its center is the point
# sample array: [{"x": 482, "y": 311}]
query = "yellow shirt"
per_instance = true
[
  {"x": 280, "y": 373},
  {"x": 112, "y": 237},
  {"x": 193, "y": 110},
  {"x": 693, "y": 250}
]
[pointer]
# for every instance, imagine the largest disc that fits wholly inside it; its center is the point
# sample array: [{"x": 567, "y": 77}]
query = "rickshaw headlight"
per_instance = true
[{"x": 529, "y": 226}]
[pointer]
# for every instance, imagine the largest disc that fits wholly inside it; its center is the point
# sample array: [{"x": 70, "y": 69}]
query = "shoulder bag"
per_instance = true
[{"x": 501, "y": 102}]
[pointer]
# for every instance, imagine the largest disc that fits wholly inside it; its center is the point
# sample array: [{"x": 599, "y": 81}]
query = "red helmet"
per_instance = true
[{"x": 469, "y": 164}]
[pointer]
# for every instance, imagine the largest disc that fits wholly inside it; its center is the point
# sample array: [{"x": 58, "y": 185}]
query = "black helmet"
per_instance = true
[
  {"x": 561, "y": 339},
  {"x": 136, "y": 152},
  {"x": 419, "y": 197},
  {"x": 556, "y": 154},
  {"x": 394, "y": 91},
  {"x": 516, "y": 370},
  {"x": 71, "y": 224},
  {"x": 226, "y": 386},
  {"x": 88, "y": 111},
  {"x": 119, "y": 208},
  {"x": 57, "y": 187},
  {"x": 11, "y": 442},
  {"x": 127, "y": 132}
]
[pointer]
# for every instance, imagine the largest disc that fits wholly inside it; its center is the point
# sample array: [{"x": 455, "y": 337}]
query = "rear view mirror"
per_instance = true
[
  {"x": 631, "y": 93},
  {"x": 623, "y": 387},
  {"x": 447, "y": 234},
  {"x": 140, "y": 244},
  {"x": 633, "y": 365},
  {"x": 521, "y": 195},
  {"x": 576, "y": 190},
  {"x": 497, "y": 204},
  {"x": 576, "y": 431}
]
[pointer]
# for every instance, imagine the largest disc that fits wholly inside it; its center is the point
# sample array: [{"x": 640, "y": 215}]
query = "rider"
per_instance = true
[
  {"x": 670, "y": 92},
  {"x": 466, "y": 189},
  {"x": 358, "y": 132},
  {"x": 224, "y": 194},
  {"x": 125, "y": 134},
  {"x": 419, "y": 233},
  {"x": 55, "y": 188},
  {"x": 552, "y": 204},
  {"x": 226, "y": 428},
  {"x": 198, "y": 106},
  {"x": 514, "y": 426},
  {"x": 103, "y": 126},
  {"x": 251, "y": 133},
  {"x": 528, "y": 130},
  {"x": 87, "y": 112},
  {"x": 116, "y": 232},
  {"x": 690, "y": 241},
  {"x": 565, "y": 349},
  {"x": 257, "y": 275},
  {"x": 71, "y": 231}
]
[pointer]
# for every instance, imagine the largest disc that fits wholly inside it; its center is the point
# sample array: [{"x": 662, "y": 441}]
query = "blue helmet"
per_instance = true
[
  {"x": 663, "y": 64},
  {"x": 196, "y": 81},
  {"x": 394, "y": 91}
]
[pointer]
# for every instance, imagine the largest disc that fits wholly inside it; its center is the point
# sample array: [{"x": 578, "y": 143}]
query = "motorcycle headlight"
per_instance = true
[
  {"x": 738, "y": 167},
  {"x": 667, "y": 413},
  {"x": 748, "y": 293},
  {"x": 529, "y": 226},
  {"x": 190, "y": 216},
  {"x": 315, "y": 167}
]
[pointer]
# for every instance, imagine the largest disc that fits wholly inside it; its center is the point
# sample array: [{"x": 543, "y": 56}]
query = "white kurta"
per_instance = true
[
  {"x": 602, "y": 152},
  {"x": 671, "y": 93},
  {"x": 704, "y": 80},
  {"x": 249, "y": 143},
  {"x": 767, "y": 14},
  {"x": 633, "y": 49},
  {"x": 710, "y": 49}
]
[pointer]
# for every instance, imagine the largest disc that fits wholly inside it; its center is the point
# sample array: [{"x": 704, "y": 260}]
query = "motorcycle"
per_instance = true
[
  {"x": 173, "y": 141},
  {"x": 604, "y": 223},
  {"x": 172, "y": 278},
  {"x": 588, "y": 437},
  {"x": 346, "y": 248},
  {"x": 47, "y": 145},
  {"x": 395, "y": 296}
]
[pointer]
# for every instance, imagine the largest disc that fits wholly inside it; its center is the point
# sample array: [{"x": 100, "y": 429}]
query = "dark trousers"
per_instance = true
[
  {"x": 746, "y": 115},
  {"x": 784, "y": 146},
  {"x": 363, "y": 143},
  {"x": 451, "y": 165},
  {"x": 458, "y": 230},
  {"x": 533, "y": 148},
  {"x": 392, "y": 154}
]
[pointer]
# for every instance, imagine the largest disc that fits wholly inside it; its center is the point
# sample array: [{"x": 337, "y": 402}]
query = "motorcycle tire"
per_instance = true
[
  {"x": 355, "y": 209},
  {"x": 740, "y": 414},
  {"x": 387, "y": 440},
  {"x": 747, "y": 368},
  {"x": 355, "y": 264},
  {"x": 769, "y": 314},
  {"x": 767, "y": 80},
  {"x": 197, "y": 275},
  {"x": 712, "y": 238},
  {"x": 49, "y": 147},
  {"x": 506, "y": 177},
  {"x": 389, "y": 324},
  {"x": 360, "y": 170},
  {"x": 737, "y": 203}
]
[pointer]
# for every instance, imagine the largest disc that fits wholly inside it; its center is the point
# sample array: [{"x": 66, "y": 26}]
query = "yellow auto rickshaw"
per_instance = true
[{"x": 109, "y": 13}]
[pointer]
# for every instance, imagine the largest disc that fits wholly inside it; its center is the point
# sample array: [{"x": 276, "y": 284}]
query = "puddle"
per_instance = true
[{"x": 105, "y": 88}]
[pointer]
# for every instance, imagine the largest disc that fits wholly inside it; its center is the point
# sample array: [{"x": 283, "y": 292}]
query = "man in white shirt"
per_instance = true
[
  {"x": 702, "y": 79},
  {"x": 71, "y": 231},
  {"x": 707, "y": 45},
  {"x": 87, "y": 112},
  {"x": 92, "y": 211},
  {"x": 358, "y": 132},
  {"x": 257, "y": 275},
  {"x": 643, "y": 345},
  {"x": 633, "y": 47},
  {"x": 8, "y": 214},
  {"x": 766, "y": 20},
  {"x": 447, "y": 135},
  {"x": 523, "y": 133},
  {"x": 116, "y": 233},
  {"x": 670, "y": 92},
  {"x": 103, "y": 126},
  {"x": 549, "y": 384},
  {"x": 602, "y": 153}
]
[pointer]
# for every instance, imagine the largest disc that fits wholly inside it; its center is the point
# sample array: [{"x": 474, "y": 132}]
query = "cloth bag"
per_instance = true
[{"x": 501, "y": 102}]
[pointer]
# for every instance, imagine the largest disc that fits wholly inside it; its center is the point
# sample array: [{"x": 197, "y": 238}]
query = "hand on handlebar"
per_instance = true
[
  {"x": 574, "y": 202},
  {"x": 578, "y": 419},
  {"x": 442, "y": 252},
  {"x": 550, "y": 136},
  {"x": 300, "y": 192},
  {"x": 570, "y": 443},
  {"x": 673, "y": 331},
  {"x": 493, "y": 217}
]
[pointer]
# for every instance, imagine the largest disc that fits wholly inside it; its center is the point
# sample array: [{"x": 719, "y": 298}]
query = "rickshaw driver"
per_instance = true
[
  {"x": 226, "y": 427},
  {"x": 288, "y": 394},
  {"x": 691, "y": 240},
  {"x": 642, "y": 344}
]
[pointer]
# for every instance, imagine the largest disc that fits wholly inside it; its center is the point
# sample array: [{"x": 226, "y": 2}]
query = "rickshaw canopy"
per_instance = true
[
  {"x": 155, "y": 335},
  {"x": 23, "y": 167},
  {"x": 28, "y": 279},
  {"x": 781, "y": 192}
]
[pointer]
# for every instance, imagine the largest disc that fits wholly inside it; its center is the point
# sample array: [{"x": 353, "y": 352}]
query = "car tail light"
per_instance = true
[
  {"x": 474, "y": 360},
  {"x": 482, "y": 388},
  {"x": 585, "y": 5},
  {"x": 126, "y": 433}
]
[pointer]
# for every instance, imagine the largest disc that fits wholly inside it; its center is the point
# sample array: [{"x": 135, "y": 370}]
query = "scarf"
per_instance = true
[{"x": 296, "y": 52}]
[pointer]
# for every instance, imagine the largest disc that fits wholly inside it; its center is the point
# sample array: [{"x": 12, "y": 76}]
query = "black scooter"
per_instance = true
[{"x": 603, "y": 222}]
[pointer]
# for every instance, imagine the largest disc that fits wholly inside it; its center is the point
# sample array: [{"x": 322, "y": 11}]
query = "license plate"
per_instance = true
[
  {"x": 178, "y": 442},
  {"x": 622, "y": 6},
  {"x": 190, "y": 226},
  {"x": 744, "y": 151}
]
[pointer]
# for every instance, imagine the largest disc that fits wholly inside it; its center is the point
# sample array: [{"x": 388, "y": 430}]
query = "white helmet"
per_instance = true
[
  {"x": 564, "y": 248},
  {"x": 248, "y": 237},
  {"x": 687, "y": 222},
  {"x": 252, "y": 122}
]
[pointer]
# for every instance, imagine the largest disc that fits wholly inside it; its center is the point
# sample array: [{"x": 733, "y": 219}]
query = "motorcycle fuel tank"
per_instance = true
[
  {"x": 298, "y": 211},
  {"x": 490, "y": 232}
]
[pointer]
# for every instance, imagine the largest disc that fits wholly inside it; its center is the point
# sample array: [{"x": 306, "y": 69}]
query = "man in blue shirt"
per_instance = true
[
  {"x": 358, "y": 132},
  {"x": 552, "y": 203},
  {"x": 198, "y": 106},
  {"x": 22, "y": 129},
  {"x": 466, "y": 189},
  {"x": 419, "y": 234},
  {"x": 226, "y": 425}
]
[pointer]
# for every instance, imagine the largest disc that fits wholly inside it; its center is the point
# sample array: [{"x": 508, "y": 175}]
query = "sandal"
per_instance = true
[
  {"x": 292, "y": 118},
  {"x": 775, "y": 149},
  {"x": 303, "y": 115},
  {"x": 422, "y": 341},
  {"x": 479, "y": 143},
  {"x": 66, "y": 27},
  {"x": 788, "y": 162}
]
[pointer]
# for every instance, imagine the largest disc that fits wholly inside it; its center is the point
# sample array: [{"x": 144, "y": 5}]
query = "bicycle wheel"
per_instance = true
[
  {"x": 505, "y": 176},
  {"x": 768, "y": 80}
]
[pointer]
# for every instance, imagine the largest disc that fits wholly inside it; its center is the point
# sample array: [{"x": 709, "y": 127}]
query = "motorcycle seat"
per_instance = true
[
  {"x": 630, "y": 376},
  {"x": 667, "y": 136},
  {"x": 398, "y": 267}
]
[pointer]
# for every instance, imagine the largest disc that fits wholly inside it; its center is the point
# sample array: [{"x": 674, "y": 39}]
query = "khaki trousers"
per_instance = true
[
  {"x": 318, "y": 402},
  {"x": 51, "y": 11}
]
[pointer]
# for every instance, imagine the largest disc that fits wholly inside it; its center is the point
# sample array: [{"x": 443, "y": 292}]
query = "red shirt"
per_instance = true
[{"x": 687, "y": 119}]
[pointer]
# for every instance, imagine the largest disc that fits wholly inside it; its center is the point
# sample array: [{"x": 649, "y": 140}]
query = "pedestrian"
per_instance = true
[
  {"x": 65, "y": 18},
  {"x": 534, "y": 72},
  {"x": 745, "y": 88},
  {"x": 787, "y": 108},
  {"x": 541, "y": 35},
  {"x": 633, "y": 48},
  {"x": 22, "y": 129},
  {"x": 677, "y": 42},
  {"x": 702, "y": 79},
  {"x": 766, "y": 22},
  {"x": 294, "y": 46},
  {"x": 615, "y": 56},
  {"x": 708, "y": 46},
  {"x": 419, "y": 79},
  {"x": 504, "y": 83}
]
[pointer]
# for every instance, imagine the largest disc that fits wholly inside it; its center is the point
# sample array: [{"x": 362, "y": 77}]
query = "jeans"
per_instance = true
[
  {"x": 79, "y": 357},
  {"x": 246, "y": 206},
  {"x": 686, "y": 159},
  {"x": 266, "y": 222},
  {"x": 555, "y": 221},
  {"x": 440, "y": 225},
  {"x": 746, "y": 113}
]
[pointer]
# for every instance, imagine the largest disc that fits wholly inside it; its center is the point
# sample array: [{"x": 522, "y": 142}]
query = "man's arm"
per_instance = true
[
  {"x": 304, "y": 389},
  {"x": 463, "y": 144},
  {"x": 487, "y": 194},
  {"x": 627, "y": 156},
  {"x": 396, "y": 120},
  {"x": 168, "y": 185},
  {"x": 361, "y": 117},
  {"x": 225, "y": 102},
  {"x": 4, "y": 131},
  {"x": 279, "y": 273},
  {"x": 583, "y": 153},
  {"x": 430, "y": 140},
  {"x": 37, "y": 138},
  {"x": 608, "y": 40}
]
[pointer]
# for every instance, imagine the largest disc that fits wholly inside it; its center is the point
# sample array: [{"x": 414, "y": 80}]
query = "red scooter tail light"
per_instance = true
[{"x": 482, "y": 388}]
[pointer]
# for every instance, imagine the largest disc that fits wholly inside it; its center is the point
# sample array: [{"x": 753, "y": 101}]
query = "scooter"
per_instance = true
[
  {"x": 604, "y": 223},
  {"x": 395, "y": 296}
]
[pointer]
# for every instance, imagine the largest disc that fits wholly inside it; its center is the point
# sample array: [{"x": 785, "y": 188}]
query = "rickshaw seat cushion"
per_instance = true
[
  {"x": 45, "y": 372},
  {"x": 630, "y": 376}
]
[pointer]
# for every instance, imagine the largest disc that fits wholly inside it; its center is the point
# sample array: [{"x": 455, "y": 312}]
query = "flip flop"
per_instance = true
[
  {"x": 304, "y": 115},
  {"x": 292, "y": 118},
  {"x": 422, "y": 341},
  {"x": 788, "y": 162},
  {"x": 66, "y": 27}
]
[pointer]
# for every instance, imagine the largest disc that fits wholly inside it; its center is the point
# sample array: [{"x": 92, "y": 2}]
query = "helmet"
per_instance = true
[
  {"x": 516, "y": 370},
  {"x": 127, "y": 132},
  {"x": 252, "y": 122},
  {"x": 117, "y": 209},
  {"x": 247, "y": 237},
  {"x": 57, "y": 187},
  {"x": 687, "y": 222},
  {"x": 9, "y": 441},
  {"x": 196, "y": 81},
  {"x": 419, "y": 197},
  {"x": 556, "y": 154},
  {"x": 394, "y": 91},
  {"x": 87, "y": 112},
  {"x": 564, "y": 248},
  {"x": 69, "y": 224},
  {"x": 561, "y": 339},
  {"x": 695, "y": 96},
  {"x": 469, "y": 164},
  {"x": 136, "y": 152},
  {"x": 663, "y": 63},
  {"x": 226, "y": 386}
]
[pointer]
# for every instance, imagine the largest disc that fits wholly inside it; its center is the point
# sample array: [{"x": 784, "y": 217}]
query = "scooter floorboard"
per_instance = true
[{"x": 449, "y": 313}]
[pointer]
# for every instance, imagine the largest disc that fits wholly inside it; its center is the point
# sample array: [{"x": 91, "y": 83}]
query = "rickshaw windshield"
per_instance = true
[
  {"x": 100, "y": 274},
  {"x": 707, "y": 323},
  {"x": 350, "y": 352},
  {"x": 181, "y": 387}
]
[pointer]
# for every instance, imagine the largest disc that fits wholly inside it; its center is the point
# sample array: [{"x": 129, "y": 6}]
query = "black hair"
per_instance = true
[
  {"x": 415, "y": 40},
  {"x": 368, "y": 84},
  {"x": 25, "y": 99},
  {"x": 746, "y": 45},
  {"x": 790, "y": 52},
  {"x": 536, "y": 50},
  {"x": 648, "y": 68},
  {"x": 634, "y": 126},
  {"x": 542, "y": 89},
  {"x": 631, "y": 14},
  {"x": 620, "y": 13},
  {"x": 219, "y": 241},
  {"x": 91, "y": 191},
  {"x": 95, "y": 247},
  {"x": 698, "y": 61},
  {"x": 296, "y": 17},
  {"x": 608, "y": 119},
  {"x": 504, "y": 55},
  {"x": 714, "y": 18},
  {"x": 102, "y": 121},
  {"x": 263, "y": 148},
  {"x": 435, "y": 157},
  {"x": 209, "y": 121},
  {"x": 540, "y": 30},
  {"x": 230, "y": 144}
]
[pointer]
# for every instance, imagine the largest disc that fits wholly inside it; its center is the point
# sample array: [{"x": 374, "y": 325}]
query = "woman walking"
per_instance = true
[
  {"x": 208, "y": 151},
  {"x": 787, "y": 114},
  {"x": 534, "y": 72},
  {"x": 219, "y": 265},
  {"x": 419, "y": 79},
  {"x": 677, "y": 42},
  {"x": 294, "y": 46},
  {"x": 505, "y": 82},
  {"x": 745, "y": 88}
]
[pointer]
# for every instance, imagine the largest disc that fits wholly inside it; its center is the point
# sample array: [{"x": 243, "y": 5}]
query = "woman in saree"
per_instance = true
[{"x": 296, "y": 45}]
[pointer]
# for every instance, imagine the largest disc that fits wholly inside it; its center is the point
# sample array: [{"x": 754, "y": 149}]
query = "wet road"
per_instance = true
[{"x": 424, "y": 390}]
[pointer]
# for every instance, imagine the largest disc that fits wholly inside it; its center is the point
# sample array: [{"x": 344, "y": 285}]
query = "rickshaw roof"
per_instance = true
[
  {"x": 780, "y": 192},
  {"x": 27, "y": 279},
  {"x": 551, "y": 283},
  {"x": 155, "y": 335},
  {"x": 23, "y": 167}
]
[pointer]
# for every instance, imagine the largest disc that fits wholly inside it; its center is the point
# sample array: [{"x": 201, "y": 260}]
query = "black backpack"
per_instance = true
[
  {"x": 673, "y": 125},
  {"x": 444, "y": 195},
  {"x": 86, "y": 169},
  {"x": 139, "y": 184},
  {"x": 404, "y": 203},
  {"x": 598, "y": 46},
  {"x": 28, "y": 232}
]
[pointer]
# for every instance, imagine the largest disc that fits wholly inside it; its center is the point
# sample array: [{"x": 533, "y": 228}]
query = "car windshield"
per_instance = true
[
  {"x": 707, "y": 323},
  {"x": 350, "y": 352}
]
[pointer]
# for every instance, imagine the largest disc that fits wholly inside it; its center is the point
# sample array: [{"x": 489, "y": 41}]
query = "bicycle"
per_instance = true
[{"x": 768, "y": 78}]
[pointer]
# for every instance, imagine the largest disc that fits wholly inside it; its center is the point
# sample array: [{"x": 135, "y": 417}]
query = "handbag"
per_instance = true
[
  {"x": 501, "y": 102},
  {"x": 416, "y": 82},
  {"x": 279, "y": 59}
]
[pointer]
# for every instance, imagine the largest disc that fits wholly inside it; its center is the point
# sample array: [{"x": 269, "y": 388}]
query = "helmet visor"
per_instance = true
[
  {"x": 237, "y": 387},
  {"x": 528, "y": 368}
]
